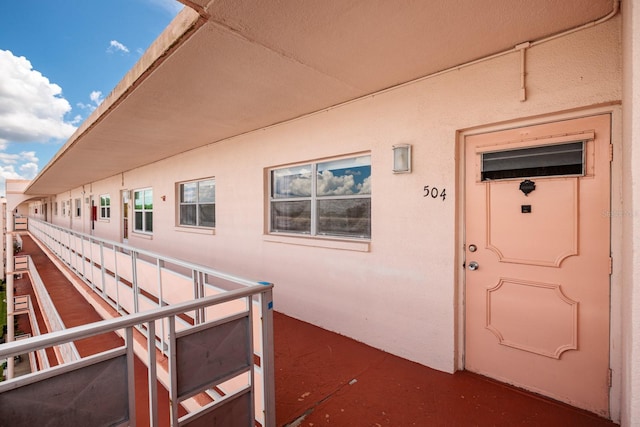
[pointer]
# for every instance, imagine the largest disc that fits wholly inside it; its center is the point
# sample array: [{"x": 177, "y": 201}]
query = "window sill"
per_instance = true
[
  {"x": 319, "y": 242},
  {"x": 146, "y": 236},
  {"x": 195, "y": 230}
]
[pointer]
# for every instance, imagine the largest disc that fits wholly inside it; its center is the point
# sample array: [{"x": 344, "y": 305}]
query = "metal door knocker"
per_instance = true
[{"x": 527, "y": 186}]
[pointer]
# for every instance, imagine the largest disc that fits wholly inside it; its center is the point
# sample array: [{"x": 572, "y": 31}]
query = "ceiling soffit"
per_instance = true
[{"x": 244, "y": 65}]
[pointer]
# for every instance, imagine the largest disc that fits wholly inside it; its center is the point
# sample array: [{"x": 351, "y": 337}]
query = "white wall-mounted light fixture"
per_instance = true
[{"x": 402, "y": 158}]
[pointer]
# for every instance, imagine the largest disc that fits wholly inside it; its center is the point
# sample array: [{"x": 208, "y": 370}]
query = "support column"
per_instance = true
[
  {"x": 630, "y": 405},
  {"x": 9, "y": 286}
]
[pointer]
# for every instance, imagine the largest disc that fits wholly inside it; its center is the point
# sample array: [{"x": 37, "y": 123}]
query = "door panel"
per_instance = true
[
  {"x": 512, "y": 236},
  {"x": 537, "y": 306}
]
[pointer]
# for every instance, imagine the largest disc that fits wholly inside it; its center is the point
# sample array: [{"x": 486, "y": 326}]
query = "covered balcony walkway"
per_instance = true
[{"x": 322, "y": 378}]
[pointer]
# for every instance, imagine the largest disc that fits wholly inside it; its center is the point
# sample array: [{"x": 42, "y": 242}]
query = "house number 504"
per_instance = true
[{"x": 434, "y": 192}]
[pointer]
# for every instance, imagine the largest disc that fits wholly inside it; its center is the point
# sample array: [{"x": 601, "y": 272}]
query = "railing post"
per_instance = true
[
  {"x": 173, "y": 372},
  {"x": 268, "y": 358},
  {"x": 91, "y": 263},
  {"x": 134, "y": 278},
  {"x": 116, "y": 277},
  {"x": 196, "y": 292},
  {"x": 201, "y": 279},
  {"x": 70, "y": 252},
  {"x": 160, "y": 266},
  {"x": 131, "y": 376},
  {"x": 103, "y": 278},
  {"x": 252, "y": 353},
  {"x": 153, "y": 374},
  {"x": 84, "y": 262}
]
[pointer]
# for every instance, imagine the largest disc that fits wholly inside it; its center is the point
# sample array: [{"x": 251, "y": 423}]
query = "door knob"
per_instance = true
[{"x": 473, "y": 265}]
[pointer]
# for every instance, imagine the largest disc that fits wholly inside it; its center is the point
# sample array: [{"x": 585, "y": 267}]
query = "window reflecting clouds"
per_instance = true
[
  {"x": 344, "y": 177},
  {"x": 337, "y": 203},
  {"x": 291, "y": 182}
]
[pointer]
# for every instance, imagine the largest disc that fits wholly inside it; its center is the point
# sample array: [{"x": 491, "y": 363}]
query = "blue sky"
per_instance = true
[{"x": 58, "y": 60}]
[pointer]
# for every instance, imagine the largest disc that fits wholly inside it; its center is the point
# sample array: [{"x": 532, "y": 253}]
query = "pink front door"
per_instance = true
[{"x": 537, "y": 259}]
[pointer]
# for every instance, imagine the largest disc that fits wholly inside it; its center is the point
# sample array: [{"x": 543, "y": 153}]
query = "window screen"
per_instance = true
[{"x": 548, "y": 160}]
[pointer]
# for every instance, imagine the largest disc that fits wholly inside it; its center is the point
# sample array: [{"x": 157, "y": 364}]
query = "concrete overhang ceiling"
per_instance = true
[{"x": 227, "y": 67}]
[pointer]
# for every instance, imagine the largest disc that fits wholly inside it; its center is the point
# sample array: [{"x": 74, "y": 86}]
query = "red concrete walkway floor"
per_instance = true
[
  {"x": 323, "y": 378},
  {"x": 327, "y": 379}
]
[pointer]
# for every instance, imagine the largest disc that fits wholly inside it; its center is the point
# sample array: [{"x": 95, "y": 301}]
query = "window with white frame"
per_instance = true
[
  {"x": 55, "y": 208},
  {"x": 78, "y": 205},
  {"x": 64, "y": 208},
  {"x": 328, "y": 198},
  {"x": 197, "y": 203},
  {"x": 105, "y": 206},
  {"x": 143, "y": 210}
]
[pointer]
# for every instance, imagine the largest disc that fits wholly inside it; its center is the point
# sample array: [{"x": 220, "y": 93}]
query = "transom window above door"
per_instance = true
[{"x": 545, "y": 160}]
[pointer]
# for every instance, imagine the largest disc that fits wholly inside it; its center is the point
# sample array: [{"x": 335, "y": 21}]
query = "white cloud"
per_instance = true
[
  {"x": 96, "y": 99},
  {"x": 342, "y": 185},
  {"x": 29, "y": 170},
  {"x": 116, "y": 46},
  {"x": 29, "y": 156},
  {"x": 8, "y": 172},
  {"x": 299, "y": 187},
  {"x": 25, "y": 162},
  {"x": 330, "y": 185},
  {"x": 23, "y": 157},
  {"x": 9, "y": 159},
  {"x": 32, "y": 108},
  {"x": 365, "y": 187}
]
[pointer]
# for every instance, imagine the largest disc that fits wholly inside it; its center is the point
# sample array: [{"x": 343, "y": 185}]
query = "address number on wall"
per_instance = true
[{"x": 435, "y": 192}]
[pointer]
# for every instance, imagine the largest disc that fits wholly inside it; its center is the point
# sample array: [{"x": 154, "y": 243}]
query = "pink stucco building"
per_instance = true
[{"x": 261, "y": 139}]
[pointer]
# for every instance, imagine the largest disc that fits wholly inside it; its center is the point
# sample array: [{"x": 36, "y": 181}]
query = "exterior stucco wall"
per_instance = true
[{"x": 400, "y": 291}]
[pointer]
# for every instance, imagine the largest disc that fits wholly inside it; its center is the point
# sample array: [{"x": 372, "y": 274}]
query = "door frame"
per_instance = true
[{"x": 616, "y": 211}]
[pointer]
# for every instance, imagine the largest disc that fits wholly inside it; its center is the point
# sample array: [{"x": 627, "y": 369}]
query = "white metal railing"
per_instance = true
[
  {"x": 22, "y": 305},
  {"x": 207, "y": 358},
  {"x": 20, "y": 223},
  {"x": 33, "y": 365},
  {"x": 67, "y": 351},
  {"x": 20, "y": 262},
  {"x": 135, "y": 281}
]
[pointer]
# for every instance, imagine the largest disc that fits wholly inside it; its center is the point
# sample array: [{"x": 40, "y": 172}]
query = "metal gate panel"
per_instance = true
[
  {"x": 212, "y": 355},
  {"x": 94, "y": 395},
  {"x": 235, "y": 412}
]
